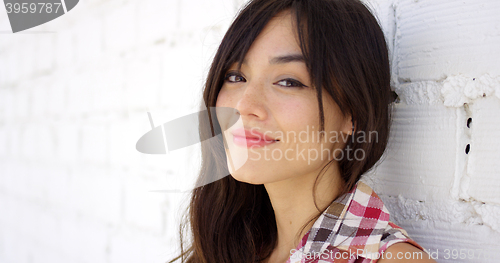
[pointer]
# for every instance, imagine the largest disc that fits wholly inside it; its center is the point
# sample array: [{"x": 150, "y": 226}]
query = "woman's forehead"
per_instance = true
[{"x": 276, "y": 43}]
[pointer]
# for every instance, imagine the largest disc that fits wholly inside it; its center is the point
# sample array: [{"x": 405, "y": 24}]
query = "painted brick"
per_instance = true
[
  {"x": 120, "y": 29},
  {"x": 39, "y": 97},
  {"x": 123, "y": 134},
  {"x": 26, "y": 56},
  {"x": 132, "y": 246},
  {"x": 57, "y": 94},
  {"x": 430, "y": 35},
  {"x": 88, "y": 40},
  {"x": 94, "y": 143},
  {"x": 68, "y": 142},
  {"x": 412, "y": 150},
  {"x": 483, "y": 166},
  {"x": 4, "y": 145},
  {"x": 96, "y": 193},
  {"x": 8, "y": 105},
  {"x": 22, "y": 100},
  {"x": 45, "y": 51},
  {"x": 109, "y": 91},
  {"x": 29, "y": 141},
  {"x": 58, "y": 186},
  {"x": 182, "y": 82},
  {"x": 64, "y": 48},
  {"x": 155, "y": 18},
  {"x": 142, "y": 81},
  {"x": 80, "y": 97},
  {"x": 205, "y": 15},
  {"x": 84, "y": 240},
  {"x": 144, "y": 208}
]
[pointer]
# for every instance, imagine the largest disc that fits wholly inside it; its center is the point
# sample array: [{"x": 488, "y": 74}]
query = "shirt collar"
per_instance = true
[{"x": 354, "y": 222}]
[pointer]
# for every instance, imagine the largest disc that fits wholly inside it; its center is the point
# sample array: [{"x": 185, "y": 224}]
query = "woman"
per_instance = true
[{"x": 310, "y": 82}]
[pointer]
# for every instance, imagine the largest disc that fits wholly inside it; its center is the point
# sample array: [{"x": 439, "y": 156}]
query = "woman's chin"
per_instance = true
[
  {"x": 243, "y": 178},
  {"x": 249, "y": 178}
]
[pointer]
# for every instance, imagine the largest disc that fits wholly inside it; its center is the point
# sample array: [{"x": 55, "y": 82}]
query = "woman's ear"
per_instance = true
[{"x": 349, "y": 125}]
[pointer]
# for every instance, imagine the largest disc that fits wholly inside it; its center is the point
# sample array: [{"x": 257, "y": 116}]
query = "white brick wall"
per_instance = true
[
  {"x": 445, "y": 198},
  {"x": 73, "y": 102}
]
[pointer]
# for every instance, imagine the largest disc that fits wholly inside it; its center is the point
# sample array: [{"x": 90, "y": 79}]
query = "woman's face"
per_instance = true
[{"x": 273, "y": 94}]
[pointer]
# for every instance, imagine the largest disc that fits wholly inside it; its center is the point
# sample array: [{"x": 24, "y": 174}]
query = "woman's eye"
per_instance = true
[
  {"x": 234, "y": 77},
  {"x": 290, "y": 83}
]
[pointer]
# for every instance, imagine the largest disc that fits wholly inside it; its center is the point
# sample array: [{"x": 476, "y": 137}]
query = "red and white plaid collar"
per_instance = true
[{"x": 355, "y": 222}]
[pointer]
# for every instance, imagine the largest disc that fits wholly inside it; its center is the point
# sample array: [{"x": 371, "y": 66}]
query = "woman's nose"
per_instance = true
[{"x": 252, "y": 101}]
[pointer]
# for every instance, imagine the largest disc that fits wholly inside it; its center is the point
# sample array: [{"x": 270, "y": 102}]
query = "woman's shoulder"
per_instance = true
[{"x": 404, "y": 252}]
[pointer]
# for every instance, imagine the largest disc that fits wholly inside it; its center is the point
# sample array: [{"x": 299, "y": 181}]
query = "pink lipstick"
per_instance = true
[{"x": 251, "y": 138}]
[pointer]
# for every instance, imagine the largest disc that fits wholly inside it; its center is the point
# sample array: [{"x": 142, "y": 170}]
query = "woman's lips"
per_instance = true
[
  {"x": 251, "y": 137},
  {"x": 251, "y": 142}
]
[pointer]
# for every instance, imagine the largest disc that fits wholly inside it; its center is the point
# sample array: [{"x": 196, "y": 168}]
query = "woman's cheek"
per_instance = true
[
  {"x": 221, "y": 99},
  {"x": 301, "y": 115}
]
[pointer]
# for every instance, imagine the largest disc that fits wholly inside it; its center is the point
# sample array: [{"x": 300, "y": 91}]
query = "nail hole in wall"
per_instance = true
[
  {"x": 467, "y": 149},
  {"x": 469, "y": 120}
]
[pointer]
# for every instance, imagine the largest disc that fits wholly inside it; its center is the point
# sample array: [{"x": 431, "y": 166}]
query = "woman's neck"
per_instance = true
[{"x": 293, "y": 205}]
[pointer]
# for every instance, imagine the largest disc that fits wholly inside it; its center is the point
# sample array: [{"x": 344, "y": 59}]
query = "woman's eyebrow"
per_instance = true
[
  {"x": 283, "y": 59},
  {"x": 287, "y": 59}
]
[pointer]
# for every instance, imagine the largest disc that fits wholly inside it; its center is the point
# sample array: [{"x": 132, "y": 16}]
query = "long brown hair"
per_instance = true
[{"x": 345, "y": 53}]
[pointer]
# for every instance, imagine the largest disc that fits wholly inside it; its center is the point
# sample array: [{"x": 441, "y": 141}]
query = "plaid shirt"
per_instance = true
[{"x": 354, "y": 228}]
